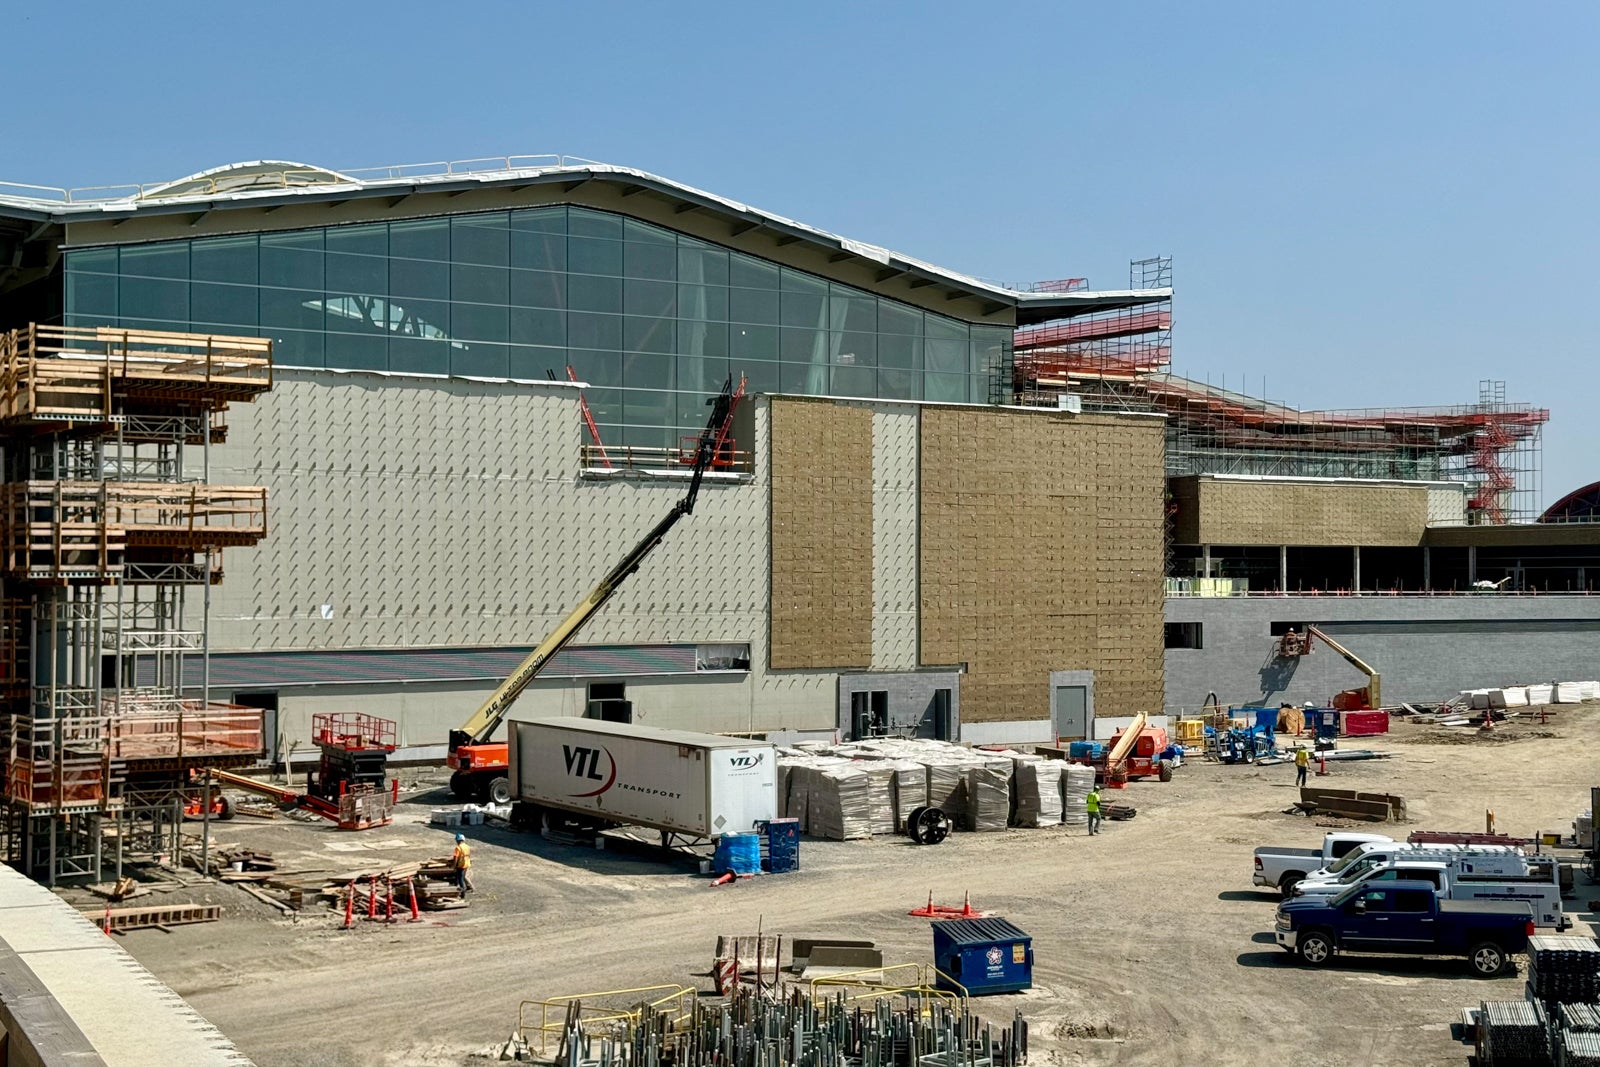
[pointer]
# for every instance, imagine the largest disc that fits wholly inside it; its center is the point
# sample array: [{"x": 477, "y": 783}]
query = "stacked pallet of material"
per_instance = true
[
  {"x": 1540, "y": 694},
  {"x": 988, "y": 799},
  {"x": 1564, "y": 968},
  {"x": 1476, "y": 699},
  {"x": 1577, "y": 1029},
  {"x": 1567, "y": 693},
  {"x": 910, "y": 789},
  {"x": 1512, "y": 1034},
  {"x": 1038, "y": 791},
  {"x": 1516, "y": 696},
  {"x": 1589, "y": 690},
  {"x": 880, "y": 794},
  {"x": 1076, "y": 781},
  {"x": 835, "y": 795}
]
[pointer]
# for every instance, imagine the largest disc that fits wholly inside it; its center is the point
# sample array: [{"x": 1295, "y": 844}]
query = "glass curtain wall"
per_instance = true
[{"x": 653, "y": 320}]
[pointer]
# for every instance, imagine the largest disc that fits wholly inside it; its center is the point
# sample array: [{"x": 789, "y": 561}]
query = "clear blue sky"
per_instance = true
[{"x": 1367, "y": 205}]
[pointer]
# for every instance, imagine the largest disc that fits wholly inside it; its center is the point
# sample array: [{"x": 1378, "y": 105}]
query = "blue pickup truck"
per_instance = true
[{"x": 1404, "y": 918}]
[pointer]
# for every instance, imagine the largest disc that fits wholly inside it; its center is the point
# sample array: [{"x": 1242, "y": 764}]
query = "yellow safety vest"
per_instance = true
[{"x": 463, "y": 857}]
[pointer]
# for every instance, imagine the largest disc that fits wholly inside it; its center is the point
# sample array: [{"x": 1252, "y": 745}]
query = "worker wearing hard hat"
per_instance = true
[
  {"x": 1092, "y": 802},
  {"x": 462, "y": 862},
  {"x": 1302, "y": 762}
]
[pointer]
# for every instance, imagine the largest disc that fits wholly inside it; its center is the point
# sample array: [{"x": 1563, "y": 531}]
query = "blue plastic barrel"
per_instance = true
[{"x": 739, "y": 853}]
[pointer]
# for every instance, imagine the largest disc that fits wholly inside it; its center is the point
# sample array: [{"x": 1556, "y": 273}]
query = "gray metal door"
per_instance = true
[{"x": 1072, "y": 712}]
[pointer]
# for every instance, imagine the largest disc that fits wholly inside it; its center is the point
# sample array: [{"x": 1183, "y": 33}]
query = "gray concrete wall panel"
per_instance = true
[{"x": 1426, "y": 648}]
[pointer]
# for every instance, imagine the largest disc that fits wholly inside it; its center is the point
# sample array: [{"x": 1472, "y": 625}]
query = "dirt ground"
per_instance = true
[{"x": 1151, "y": 946}]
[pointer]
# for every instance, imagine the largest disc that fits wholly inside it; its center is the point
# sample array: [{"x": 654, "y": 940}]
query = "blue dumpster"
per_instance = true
[
  {"x": 1326, "y": 721},
  {"x": 982, "y": 956}
]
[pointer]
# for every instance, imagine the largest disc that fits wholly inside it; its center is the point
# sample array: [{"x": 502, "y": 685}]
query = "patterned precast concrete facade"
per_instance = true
[
  {"x": 425, "y": 513},
  {"x": 1234, "y": 510},
  {"x": 1425, "y": 648}
]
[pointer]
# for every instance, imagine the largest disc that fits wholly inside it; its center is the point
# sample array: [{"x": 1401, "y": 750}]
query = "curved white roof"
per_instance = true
[{"x": 236, "y": 177}]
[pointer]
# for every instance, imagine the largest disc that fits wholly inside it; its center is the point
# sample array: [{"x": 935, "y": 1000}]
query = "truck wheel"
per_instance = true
[
  {"x": 500, "y": 791},
  {"x": 1165, "y": 773},
  {"x": 460, "y": 786},
  {"x": 224, "y": 808},
  {"x": 1315, "y": 948},
  {"x": 1287, "y": 883},
  {"x": 1488, "y": 959}
]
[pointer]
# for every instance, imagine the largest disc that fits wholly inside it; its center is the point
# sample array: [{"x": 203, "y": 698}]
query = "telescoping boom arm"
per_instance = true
[
  {"x": 483, "y": 723},
  {"x": 1374, "y": 680}
]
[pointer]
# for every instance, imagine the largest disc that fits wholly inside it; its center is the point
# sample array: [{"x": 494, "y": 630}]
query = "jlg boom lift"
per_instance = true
[{"x": 478, "y": 764}]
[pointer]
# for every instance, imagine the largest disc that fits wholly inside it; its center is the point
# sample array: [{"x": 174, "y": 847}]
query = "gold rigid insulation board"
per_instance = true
[
  {"x": 821, "y": 534},
  {"x": 1041, "y": 551},
  {"x": 1222, "y": 511}
]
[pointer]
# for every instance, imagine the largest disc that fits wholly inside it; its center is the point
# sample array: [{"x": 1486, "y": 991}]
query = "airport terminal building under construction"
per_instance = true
[{"x": 281, "y": 440}]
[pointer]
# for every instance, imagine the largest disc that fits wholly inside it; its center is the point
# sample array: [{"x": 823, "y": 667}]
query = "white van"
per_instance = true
[{"x": 1461, "y": 859}]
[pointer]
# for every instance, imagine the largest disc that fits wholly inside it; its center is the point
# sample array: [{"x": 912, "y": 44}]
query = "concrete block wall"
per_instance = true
[
  {"x": 910, "y": 699},
  {"x": 1222, "y": 510},
  {"x": 1425, "y": 648}
]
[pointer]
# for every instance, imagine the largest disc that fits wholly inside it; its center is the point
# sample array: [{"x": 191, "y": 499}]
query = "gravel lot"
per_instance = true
[{"x": 1151, "y": 945}]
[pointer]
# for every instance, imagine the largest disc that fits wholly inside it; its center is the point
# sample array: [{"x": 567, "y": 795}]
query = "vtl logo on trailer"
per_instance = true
[
  {"x": 584, "y": 763},
  {"x": 744, "y": 763}
]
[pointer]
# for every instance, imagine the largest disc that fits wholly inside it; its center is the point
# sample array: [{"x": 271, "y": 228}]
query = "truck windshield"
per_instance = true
[
  {"x": 1348, "y": 858},
  {"x": 1357, "y": 869}
]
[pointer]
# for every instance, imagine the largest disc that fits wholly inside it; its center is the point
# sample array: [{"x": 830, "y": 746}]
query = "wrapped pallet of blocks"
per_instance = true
[
  {"x": 879, "y": 774},
  {"x": 1539, "y": 694},
  {"x": 1038, "y": 789},
  {"x": 988, "y": 799},
  {"x": 910, "y": 789},
  {"x": 836, "y": 800},
  {"x": 1076, "y": 781}
]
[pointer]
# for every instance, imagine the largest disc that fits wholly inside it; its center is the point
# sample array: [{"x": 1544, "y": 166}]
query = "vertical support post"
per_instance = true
[
  {"x": 1283, "y": 568},
  {"x": 1355, "y": 569},
  {"x": 1205, "y": 561},
  {"x": 51, "y": 881},
  {"x": 1472, "y": 565},
  {"x": 1427, "y": 569},
  {"x": 205, "y": 823}
]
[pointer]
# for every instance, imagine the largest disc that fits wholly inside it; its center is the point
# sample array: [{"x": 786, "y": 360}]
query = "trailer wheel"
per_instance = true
[
  {"x": 928, "y": 826},
  {"x": 1488, "y": 959},
  {"x": 1315, "y": 948},
  {"x": 499, "y": 791},
  {"x": 224, "y": 808},
  {"x": 461, "y": 786},
  {"x": 1165, "y": 771}
]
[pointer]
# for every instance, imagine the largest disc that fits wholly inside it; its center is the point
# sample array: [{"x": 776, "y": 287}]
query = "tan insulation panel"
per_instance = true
[
  {"x": 821, "y": 534},
  {"x": 1222, "y": 511},
  {"x": 1041, "y": 551}
]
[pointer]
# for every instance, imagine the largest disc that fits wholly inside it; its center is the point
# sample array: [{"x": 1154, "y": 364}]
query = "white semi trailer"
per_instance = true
[{"x": 607, "y": 773}]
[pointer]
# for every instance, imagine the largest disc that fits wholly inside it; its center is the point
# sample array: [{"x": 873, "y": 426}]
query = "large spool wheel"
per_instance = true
[{"x": 927, "y": 825}]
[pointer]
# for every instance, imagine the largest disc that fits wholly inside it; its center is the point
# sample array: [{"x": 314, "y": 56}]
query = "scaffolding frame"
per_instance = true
[{"x": 107, "y": 519}]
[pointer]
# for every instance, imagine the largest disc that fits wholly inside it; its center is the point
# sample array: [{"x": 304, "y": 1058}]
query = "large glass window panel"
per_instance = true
[
  {"x": 747, "y": 272},
  {"x": 854, "y": 381},
  {"x": 479, "y": 285},
  {"x": 895, "y": 317},
  {"x": 224, "y": 308},
  {"x": 421, "y": 342},
  {"x": 225, "y": 259},
  {"x": 351, "y": 350},
  {"x": 987, "y": 349},
  {"x": 760, "y": 376},
  {"x": 92, "y": 287},
  {"x": 534, "y": 362},
  {"x": 154, "y": 293},
  {"x": 804, "y": 379},
  {"x": 478, "y": 359},
  {"x": 357, "y": 260},
  {"x": 804, "y": 346},
  {"x": 702, "y": 376},
  {"x": 759, "y": 306},
  {"x": 700, "y": 263},
  {"x": 657, "y": 258},
  {"x": 420, "y": 252},
  {"x": 804, "y": 300},
  {"x": 951, "y": 388},
  {"x": 749, "y": 343},
  {"x": 479, "y": 322},
  {"x": 584, "y": 222},
  {"x": 644, "y": 334},
  {"x": 650, "y": 371},
  {"x": 540, "y": 219},
  {"x": 703, "y": 302},
  {"x": 852, "y": 310},
  {"x": 946, "y": 347},
  {"x": 602, "y": 372},
  {"x": 854, "y": 349},
  {"x": 538, "y": 326},
  {"x": 537, "y": 289},
  {"x": 590, "y": 330},
  {"x": 900, "y": 351},
  {"x": 978, "y": 388},
  {"x": 292, "y": 297},
  {"x": 585, "y": 293},
  {"x": 899, "y": 384},
  {"x": 641, "y": 297},
  {"x": 481, "y": 239},
  {"x": 594, "y": 255},
  {"x": 703, "y": 339}
]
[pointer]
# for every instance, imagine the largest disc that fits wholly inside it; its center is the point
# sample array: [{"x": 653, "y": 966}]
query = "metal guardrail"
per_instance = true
[{"x": 674, "y": 995}]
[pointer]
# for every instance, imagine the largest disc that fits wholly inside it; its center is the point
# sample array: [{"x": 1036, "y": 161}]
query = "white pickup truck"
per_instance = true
[
  {"x": 1536, "y": 887},
  {"x": 1464, "y": 859},
  {"x": 1283, "y": 868}
]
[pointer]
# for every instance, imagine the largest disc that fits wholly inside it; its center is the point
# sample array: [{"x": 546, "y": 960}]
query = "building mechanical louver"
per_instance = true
[{"x": 107, "y": 522}]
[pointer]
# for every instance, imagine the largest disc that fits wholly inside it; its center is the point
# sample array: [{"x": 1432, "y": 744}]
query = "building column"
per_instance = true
[
  {"x": 1472, "y": 565},
  {"x": 1283, "y": 568},
  {"x": 1205, "y": 561},
  {"x": 1427, "y": 569},
  {"x": 1355, "y": 568}
]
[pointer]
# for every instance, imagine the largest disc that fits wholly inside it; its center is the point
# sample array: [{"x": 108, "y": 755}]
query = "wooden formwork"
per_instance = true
[{"x": 73, "y": 373}]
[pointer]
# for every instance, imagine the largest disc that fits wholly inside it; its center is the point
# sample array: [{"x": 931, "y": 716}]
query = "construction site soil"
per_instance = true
[{"x": 1151, "y": 945}]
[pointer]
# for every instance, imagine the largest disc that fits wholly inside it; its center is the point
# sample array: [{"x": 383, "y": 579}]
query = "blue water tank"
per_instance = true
[
  {"x": 1086, "y": 749},
  {"x": 739, "y": 853},
  {"x": 982, "y": 956}
]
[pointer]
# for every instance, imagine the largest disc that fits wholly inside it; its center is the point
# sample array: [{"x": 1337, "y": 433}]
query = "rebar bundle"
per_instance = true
[
  {"x": 1512, "y": 1034},
  {"x": 798, "y": 1031}
]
